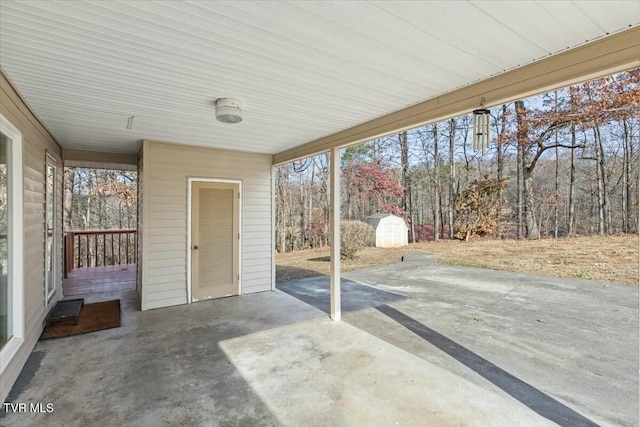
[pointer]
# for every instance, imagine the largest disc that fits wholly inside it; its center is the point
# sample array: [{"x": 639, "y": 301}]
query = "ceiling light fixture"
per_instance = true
[{"x": 228, "y": 110}]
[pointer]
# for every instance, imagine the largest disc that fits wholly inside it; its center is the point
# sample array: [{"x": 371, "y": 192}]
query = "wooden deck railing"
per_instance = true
[{"x": 94, "y": 248}]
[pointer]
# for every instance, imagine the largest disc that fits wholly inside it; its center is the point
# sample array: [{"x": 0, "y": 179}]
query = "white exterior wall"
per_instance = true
[
  {"x": 391, "y": 232},
  {"x": 166, "y": 170}
]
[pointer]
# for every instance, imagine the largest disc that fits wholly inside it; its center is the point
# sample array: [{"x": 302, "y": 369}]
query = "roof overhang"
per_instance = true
[
  {"x": 99, "y": 159},
  {"x": 608, "y": 55},
  {"x": 312, "y": 75}
]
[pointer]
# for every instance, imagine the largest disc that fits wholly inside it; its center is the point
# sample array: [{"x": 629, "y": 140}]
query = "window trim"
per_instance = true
[
  {"x": 16, "y": 243},
  {"x": 48, "y": 296}
]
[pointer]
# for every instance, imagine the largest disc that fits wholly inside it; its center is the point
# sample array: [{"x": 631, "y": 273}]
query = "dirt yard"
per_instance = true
[{"x": 610, "y": 258}]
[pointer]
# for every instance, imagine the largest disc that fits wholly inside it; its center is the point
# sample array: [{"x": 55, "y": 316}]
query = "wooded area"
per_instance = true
[
  {"x": 100, "y": 217},
  {"x": 99, "y": 199},
  {"x": 563, "y": 163}
]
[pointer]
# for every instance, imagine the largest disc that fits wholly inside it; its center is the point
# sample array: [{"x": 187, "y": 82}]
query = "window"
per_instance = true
[
  {"x": 11, "y": 264},
  {"x": 6, "y": 326}
]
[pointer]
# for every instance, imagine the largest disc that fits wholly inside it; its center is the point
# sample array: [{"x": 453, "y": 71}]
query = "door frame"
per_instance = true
[{"x": 190, "y": 181}]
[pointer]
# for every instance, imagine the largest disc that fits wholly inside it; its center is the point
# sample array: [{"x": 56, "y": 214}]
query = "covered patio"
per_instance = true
[
  {"x": 258, "y": 360},
  {"x": 441, "y": 346},
  {"x": 204, "y": 99}
]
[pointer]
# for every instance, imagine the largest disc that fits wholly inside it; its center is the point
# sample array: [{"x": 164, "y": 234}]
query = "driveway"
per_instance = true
[{"x": 565, "y": 349}]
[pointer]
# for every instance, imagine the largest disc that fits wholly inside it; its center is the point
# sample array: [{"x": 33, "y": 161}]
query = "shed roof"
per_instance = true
[
  {"x": 375, "y": 219},
  {"x": 380, "y": 215}
]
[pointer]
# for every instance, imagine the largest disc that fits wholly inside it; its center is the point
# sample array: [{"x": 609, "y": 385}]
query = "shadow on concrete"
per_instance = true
[
  {"x": 315, "y": 292},
  {"x": 285, "y": 273},
  {"x": 26, "y": 375},
  {"x": 528, "y": 395}
]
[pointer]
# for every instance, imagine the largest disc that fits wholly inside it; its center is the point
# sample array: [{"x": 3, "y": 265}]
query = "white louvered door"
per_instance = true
[{"x": 214, "y": 240}]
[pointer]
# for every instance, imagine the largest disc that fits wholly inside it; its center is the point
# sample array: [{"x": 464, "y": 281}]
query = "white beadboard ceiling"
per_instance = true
[{"x": 303, "y": 69}]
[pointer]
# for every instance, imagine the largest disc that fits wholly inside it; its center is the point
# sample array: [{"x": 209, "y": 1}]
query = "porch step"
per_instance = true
[
  {"x": 421, "y": 257},
  {"x": 65, "y": 310}
]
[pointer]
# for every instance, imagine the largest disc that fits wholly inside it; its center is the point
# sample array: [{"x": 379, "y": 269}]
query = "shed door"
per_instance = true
[
  {"x": 391, "y": 234},
  {"x": 214, "y": 240}
]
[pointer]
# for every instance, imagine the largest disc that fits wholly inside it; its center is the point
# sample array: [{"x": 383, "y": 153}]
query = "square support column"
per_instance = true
[{"x": 334, "y": 231}]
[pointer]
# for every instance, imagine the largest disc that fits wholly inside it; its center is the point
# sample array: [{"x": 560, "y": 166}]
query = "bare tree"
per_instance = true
[
  {"x": 452, "y": 175},
  {"x": 437, "y": 212}
]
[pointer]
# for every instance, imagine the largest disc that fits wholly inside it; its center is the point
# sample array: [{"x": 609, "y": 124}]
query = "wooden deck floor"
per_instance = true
[{"x": 100, "y": 279}]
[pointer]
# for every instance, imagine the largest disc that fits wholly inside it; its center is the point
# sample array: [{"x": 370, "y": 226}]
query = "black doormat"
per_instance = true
[{"x": 93, "y": 317}]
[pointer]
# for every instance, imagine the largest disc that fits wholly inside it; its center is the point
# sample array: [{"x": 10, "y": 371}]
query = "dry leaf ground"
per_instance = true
[{"x": 609, "y": 258}]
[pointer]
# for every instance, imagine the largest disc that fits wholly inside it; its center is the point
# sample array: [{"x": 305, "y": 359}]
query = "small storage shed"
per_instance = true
[{"x": 391, "y": 230}]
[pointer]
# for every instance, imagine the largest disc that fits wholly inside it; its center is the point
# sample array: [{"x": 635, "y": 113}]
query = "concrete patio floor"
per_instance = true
[
  {"x": 567, "y": 349},
  {"x": 437, "y": 351}
]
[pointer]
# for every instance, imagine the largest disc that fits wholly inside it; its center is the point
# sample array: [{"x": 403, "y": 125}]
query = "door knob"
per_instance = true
[{"x": 196, "y": 248}]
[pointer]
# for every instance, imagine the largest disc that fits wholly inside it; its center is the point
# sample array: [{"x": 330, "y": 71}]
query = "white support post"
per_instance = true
[{"x": 334, "y": 230}]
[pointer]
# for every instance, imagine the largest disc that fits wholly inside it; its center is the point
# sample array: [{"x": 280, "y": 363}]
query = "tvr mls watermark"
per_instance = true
[{"x": 24, "y": 408}]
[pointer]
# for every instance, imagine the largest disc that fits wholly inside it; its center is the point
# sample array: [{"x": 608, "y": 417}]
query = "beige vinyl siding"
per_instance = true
[
  {"x": 36, "y": 143},
  {"x": 167, "y": 170}
]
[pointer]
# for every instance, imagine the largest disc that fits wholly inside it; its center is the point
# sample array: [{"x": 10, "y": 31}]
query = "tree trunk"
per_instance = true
[
  {"x": 572, "y": 184},
  {"x": 407, "y": 205},
  {"x": 500, "y": 153},
  {"x": 404, "y": 160},
  {"x": 120, "y": 216},
  {"x": 87, "y": 217},
  {"x": 533, "y": 232},
  {"x": 303, "y": 218},
  {"x": 282, "y": 223},
  {"x": 627, "y": 182},
  {"x": 452, "y": 175},
  {"x": 500, "y": 158},
  {"x": 519, "y": 174},
  {"x": 556, "y": 199},
  {"x": 602, "y": 225},
  {"x": 412, "y": 229},
  {"x": 291, "y": 245},
  {"x": 605, "y": 186},
  {"x": 69, "y": 179},
  {"x": 467, "y": 160},
  {"x": 557, "y": 178},
  {"x": 436, "y": 170}
]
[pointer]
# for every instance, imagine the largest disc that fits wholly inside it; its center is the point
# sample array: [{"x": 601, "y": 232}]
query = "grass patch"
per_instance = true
[
  {"x": 607, "y": 258},
  {"x": 463, "y": 263},
  {"x": 584, "y": 273}
]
